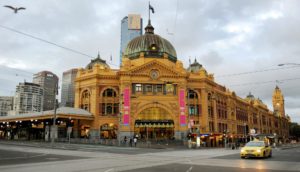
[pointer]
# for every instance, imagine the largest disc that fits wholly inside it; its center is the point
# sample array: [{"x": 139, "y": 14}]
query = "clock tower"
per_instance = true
[{"x": 278, "y": 102}]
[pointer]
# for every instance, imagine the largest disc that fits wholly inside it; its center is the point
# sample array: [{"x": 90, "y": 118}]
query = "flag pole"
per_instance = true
[{"x": 149, "y": 10}]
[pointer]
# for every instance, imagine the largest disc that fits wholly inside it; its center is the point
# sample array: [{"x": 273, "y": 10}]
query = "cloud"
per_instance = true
[
  {"x": 270, "y": 15},
  {"x": 211, "y": 58},
  {"x": 225, "y": 36}
]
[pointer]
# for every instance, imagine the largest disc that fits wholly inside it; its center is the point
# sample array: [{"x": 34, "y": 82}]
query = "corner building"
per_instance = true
[{"x": 155, "y": 97}]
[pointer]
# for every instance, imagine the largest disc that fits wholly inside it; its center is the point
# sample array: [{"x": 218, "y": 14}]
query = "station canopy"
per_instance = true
[{"x": 62, "y": 112}]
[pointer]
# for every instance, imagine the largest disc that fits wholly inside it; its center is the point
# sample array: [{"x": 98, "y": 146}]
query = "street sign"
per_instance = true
[{"x": 69, "y": 130}]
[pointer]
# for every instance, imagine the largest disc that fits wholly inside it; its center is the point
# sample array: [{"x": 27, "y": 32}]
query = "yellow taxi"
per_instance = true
[{"x": 256, "y": 149}]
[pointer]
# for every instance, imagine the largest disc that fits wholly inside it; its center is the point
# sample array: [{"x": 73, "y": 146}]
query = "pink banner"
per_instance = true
[
  {"x": 182, "y": 107},
  {"x": 126, "y": 97},
  {"x": 181, "y": 99},
  {"x": 126, "y": 119},
  {"x": 182, "y": 120},
  {"x": 126, "y": 106}
]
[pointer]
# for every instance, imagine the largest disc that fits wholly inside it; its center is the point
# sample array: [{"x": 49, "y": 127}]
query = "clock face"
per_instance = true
[{"x": 154, "y": 74}]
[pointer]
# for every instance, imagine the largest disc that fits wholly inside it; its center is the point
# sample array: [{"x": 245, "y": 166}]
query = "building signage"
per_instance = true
[
  {"x": 126, "y": 106},
  {"x": 182, "y": 107},
  {"x": 134, "y": 21}
]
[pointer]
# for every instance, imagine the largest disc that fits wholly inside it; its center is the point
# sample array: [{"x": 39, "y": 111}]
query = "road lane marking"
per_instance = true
[
  {"x": 191, "y": 164},
  {"x": 109, "y": 170},
  {"x": 34, "y": 156}
]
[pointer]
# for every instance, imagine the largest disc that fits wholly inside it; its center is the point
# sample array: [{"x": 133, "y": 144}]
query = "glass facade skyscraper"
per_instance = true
[
  {"x": 131, "y": 27},
  {"x": 68, "y": 88},
  {"x": 49, "y": 83}
]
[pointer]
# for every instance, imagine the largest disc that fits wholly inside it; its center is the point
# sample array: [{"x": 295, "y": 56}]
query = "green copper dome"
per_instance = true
[
  {"x": 151, "y": 45},
  {"x": 99, "y": 61}
]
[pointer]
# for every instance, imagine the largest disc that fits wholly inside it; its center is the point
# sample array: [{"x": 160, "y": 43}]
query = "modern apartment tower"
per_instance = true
[
  {"x": 68, "y": 88},
  {"x": 131, "y": 27},
  {"x": 6, "y": 105},
  {"x": 49, "y": 83},
  {"x": 28, "y": 98}
]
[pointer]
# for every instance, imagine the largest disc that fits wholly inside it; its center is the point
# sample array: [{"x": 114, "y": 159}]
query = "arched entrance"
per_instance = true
[
  {"x": 85, "y": 131},
  {"x": 154, "y": 123},
  {"x": 108, "y": 131}
]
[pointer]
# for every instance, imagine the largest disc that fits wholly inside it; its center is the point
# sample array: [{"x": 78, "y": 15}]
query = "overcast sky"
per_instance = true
[{"x": 231, "y": 39}]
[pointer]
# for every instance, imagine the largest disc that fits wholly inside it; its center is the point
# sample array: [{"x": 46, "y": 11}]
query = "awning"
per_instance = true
[
  {"x": 154, "y": 123},
  {"x": 62, "y": 112}
]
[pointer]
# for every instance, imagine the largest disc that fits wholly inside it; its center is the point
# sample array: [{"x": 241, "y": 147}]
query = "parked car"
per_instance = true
[{"x": 256, "y": 149}]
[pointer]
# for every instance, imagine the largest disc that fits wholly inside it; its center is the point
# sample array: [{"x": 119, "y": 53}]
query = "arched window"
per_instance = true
[
  {"x": 192, "y": 94},
  {"x": 194, "y": 106},
  {"x": 85, "y": 100},
  {"x": 209, "y": 97},
  {"x": 109, "y": 93},
  {"x": 109, "y": 104},
  {"x": 154, "y": 48}
]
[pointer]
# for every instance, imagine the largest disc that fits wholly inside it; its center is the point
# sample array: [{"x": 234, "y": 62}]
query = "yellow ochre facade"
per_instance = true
[{"x": 153, "y": 96}]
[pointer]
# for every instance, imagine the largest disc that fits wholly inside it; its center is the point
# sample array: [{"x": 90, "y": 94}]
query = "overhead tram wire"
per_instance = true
[
  {"x": 52, "y": 43},
  {"x": 84, "y": 54},
  {"x": 256, "y": 71},
  {"x": 264, "y": 82},
  {"x": 15, "y": 69},
  {"x": 175, "y": 24}
]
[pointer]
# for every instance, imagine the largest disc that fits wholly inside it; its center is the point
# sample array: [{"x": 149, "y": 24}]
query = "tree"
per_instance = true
[{"x": 294, "y": 130}]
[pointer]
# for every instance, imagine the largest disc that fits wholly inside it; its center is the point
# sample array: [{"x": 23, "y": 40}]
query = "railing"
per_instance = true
[
  {"x": 155, "y": 143},
  {"x": 152, "y": 55},
  {"x": 110, "y": 142}
]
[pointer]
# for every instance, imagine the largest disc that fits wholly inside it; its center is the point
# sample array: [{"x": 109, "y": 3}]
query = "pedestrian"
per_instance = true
[
  {"x": 232, "y": 146},
  {"x": 130, "y": 142},
  {"x": 135, "y": 140},
  {"x": 237, "y": 145},
  {"x": 125, "y": 140}
]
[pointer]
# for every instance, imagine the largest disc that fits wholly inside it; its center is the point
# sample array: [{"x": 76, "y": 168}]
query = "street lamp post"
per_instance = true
[
  {"x": 189, "y": 119},
  {"x": 225, "y": 138},
  {"x": 188, "y": 107},
  {"x": 245, "y": 134},
  {"x": 120, "y": 120},
  {"x": 54, "y": 129}
]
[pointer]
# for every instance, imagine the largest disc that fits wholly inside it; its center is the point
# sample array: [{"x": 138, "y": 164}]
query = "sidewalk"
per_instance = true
[
  {"x": 56, "y": 145},
  {"x": 89, "y": 147},
  {"x": 289, "y": 146}
]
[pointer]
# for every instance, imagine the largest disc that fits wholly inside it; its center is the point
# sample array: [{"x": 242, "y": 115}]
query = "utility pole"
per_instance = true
[
  {"x": 54, "y": 129},
  {"x": 188, "y": 107},
  {"x": 189, "y": 120},
  {"x": 245, "y": 136}
]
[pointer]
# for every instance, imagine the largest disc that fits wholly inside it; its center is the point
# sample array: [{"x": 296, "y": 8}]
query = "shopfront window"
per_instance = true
[{"x": 108, "y": 131}]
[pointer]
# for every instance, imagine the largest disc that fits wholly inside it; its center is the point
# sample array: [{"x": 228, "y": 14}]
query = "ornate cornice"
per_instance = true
[{"x": 144, "y": 69}]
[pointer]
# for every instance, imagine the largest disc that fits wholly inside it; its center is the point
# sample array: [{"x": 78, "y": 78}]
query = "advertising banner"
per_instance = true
[{"x": 182, "y": 107}]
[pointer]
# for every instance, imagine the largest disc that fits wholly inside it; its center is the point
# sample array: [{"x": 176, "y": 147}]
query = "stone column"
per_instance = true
[{"x": 204, "y": 122}]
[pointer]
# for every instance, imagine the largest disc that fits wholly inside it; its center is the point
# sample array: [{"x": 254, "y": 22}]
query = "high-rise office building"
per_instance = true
[
  {"x": 68, "y": 88},
  {"x": 28, "y": 98},
  {"x": 6, "y": 105},
  {"x": 49, "y": 83},
  {"x": 131, "y": 27}
]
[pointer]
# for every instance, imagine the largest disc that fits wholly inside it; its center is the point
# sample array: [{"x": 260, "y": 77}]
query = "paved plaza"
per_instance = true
[{"x": 91, "y": 158}]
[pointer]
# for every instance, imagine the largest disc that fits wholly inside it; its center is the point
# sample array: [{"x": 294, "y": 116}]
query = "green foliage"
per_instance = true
[{"x": 295, "y": 129}]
